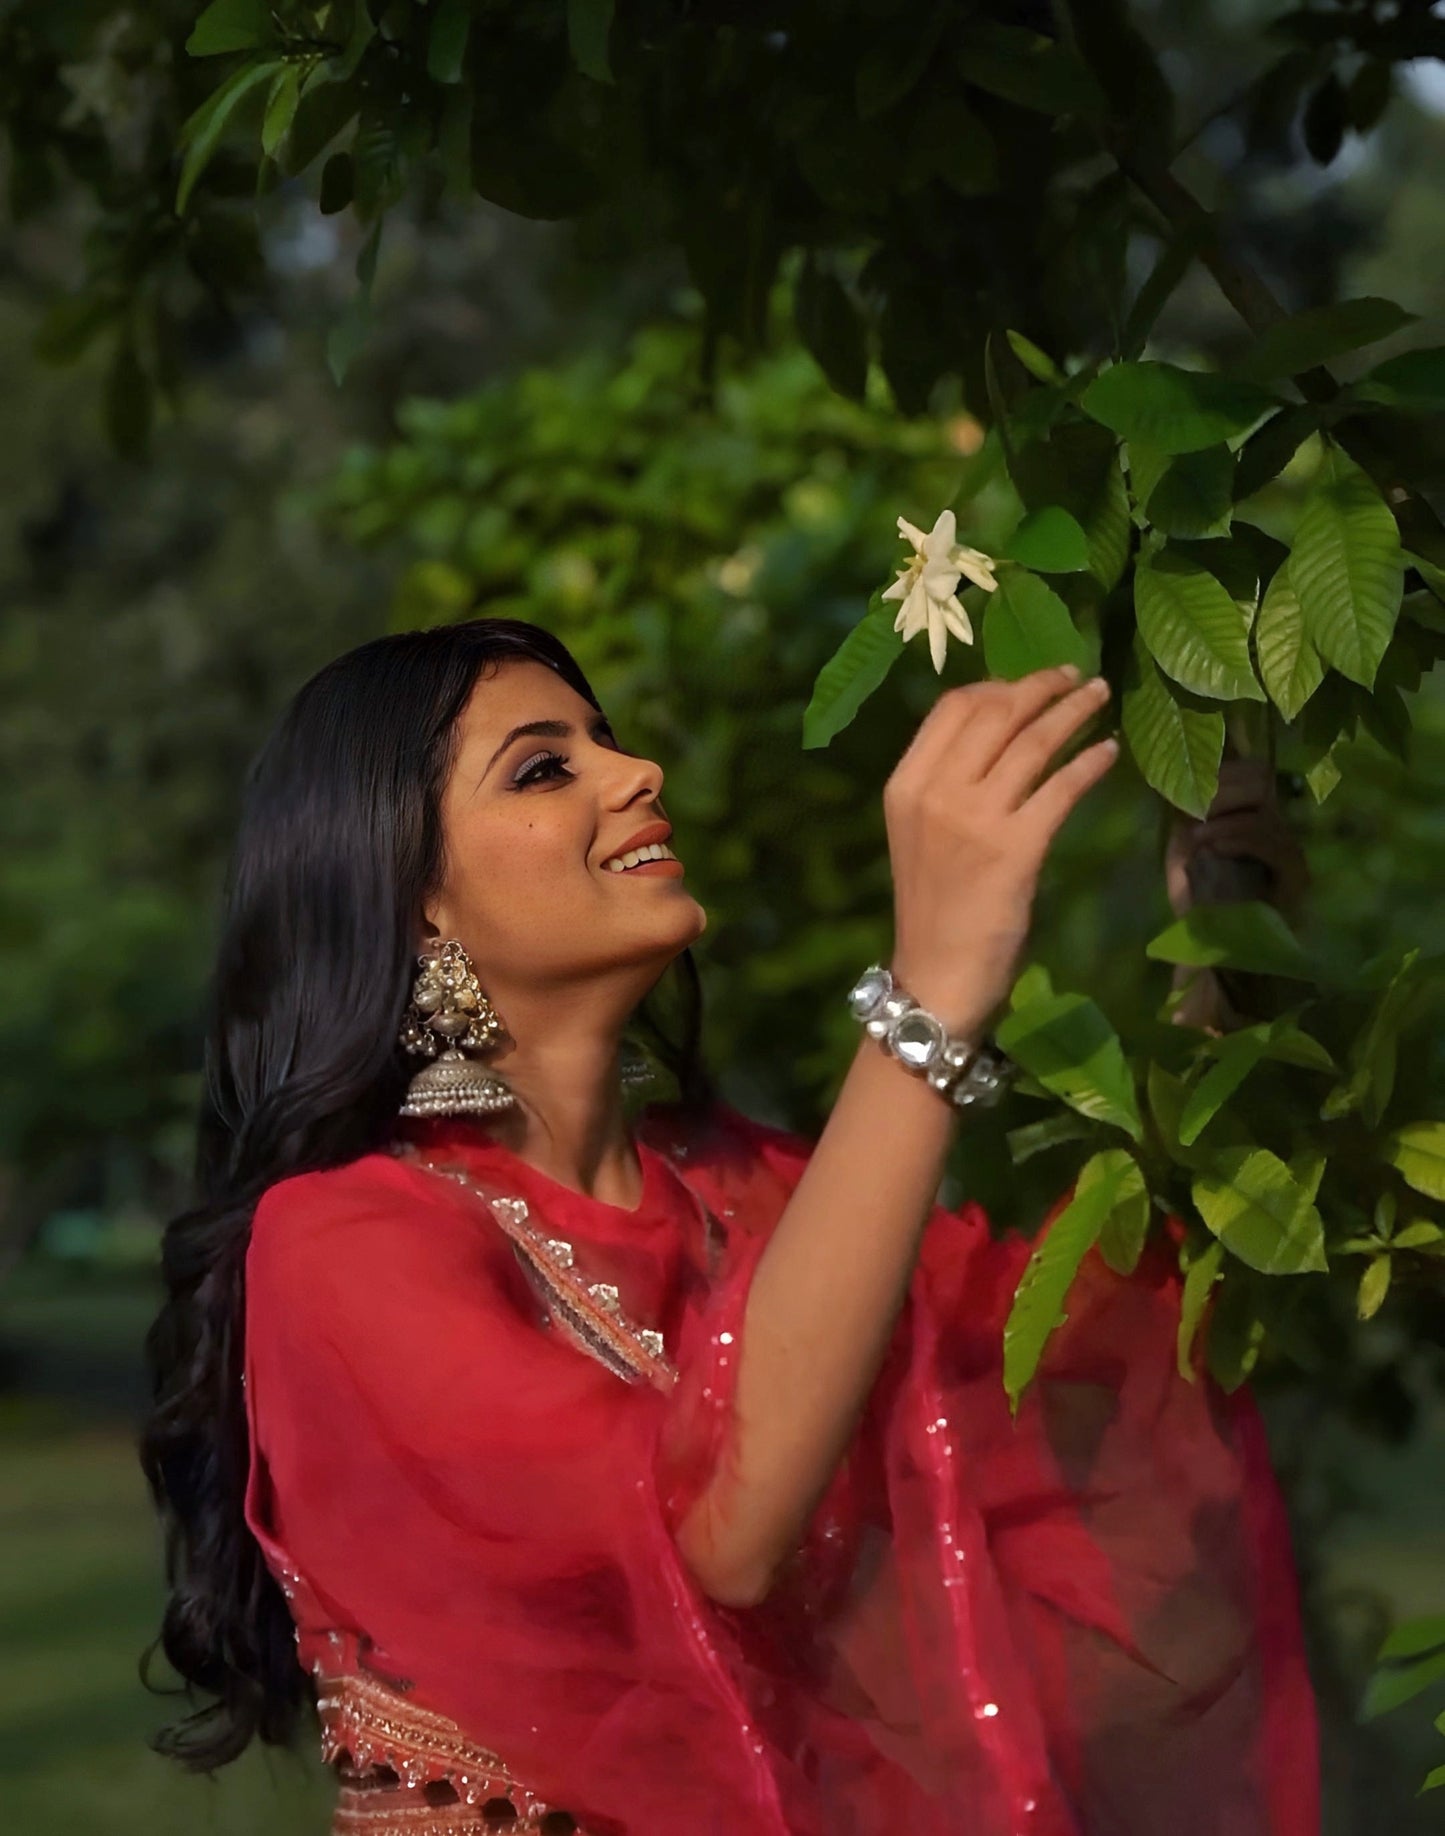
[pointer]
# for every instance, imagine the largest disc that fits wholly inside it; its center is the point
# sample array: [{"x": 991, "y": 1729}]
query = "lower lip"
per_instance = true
[{"x": 671, "y": 870}]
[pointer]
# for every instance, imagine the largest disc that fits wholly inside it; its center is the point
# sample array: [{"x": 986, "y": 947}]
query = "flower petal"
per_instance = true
[
  {"x": 915, "y": 536},
  {"x": 940, "y": 540},
  {"x": 899, "y": 589},
  {"x": 957, "y": 620},
  {"x": 937, "y": 637},
  {"x": 978, "y": 567}
]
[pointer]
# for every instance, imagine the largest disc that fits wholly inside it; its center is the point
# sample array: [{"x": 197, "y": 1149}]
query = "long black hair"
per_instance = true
[{"x": 339, "y": 843}]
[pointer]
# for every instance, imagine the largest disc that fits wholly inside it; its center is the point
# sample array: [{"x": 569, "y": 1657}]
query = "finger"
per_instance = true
[
  {"x": 1044, "y": 812},
  {"x": 978, "y": 744},
  {"x": 1030, "y": 752}
]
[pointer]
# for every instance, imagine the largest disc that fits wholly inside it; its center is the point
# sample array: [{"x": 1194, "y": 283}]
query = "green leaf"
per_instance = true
[
  {"x": 1174, "y": 410},
  {"x": 1387, "y": 1689},
  {"x": 1199, "y": 1280},
  {"x": 1414, "y": 1636},
  {"x": 1035, "y": 1137},
  {"x": 1413, "y": 381},
  {"x": 1267, "y": 452},
  {"x": 1195, "y": 496},
  {"x": 281, "y": 107},
  {"x": 1373, "y": 1052},
  {"x": 446, "y": 46},
  {"x": 1041, "y": 367},
  {"x": 1242, "y": 934},
  {"x": 231, "y": 25},
  {"x": 1026, "y": 626},
  {"x": 1050, "y": 541},
  {"x": 1256, "y": 1207},
  {"x": 1177, "y": 748},
  {"x": 1348, "y": 571},
  {"x": 201, "y": 133},
  {"x": 1106, "y": 1181},
  {"x": 1323, "y": 776},
  {"x": 1077, "y": 468},
  {"x": 851, "y": 674},
  {"x": 1417, "y": 1152},
  {"x": 1435, "y": 1778},
  {"x": 1146, "y": 468},
  {"x": 1236, "y": 1333},
  {"x": 1026, "y": 68},
  {"x": 1033, "y": 984},
  {"x": 1286, "y": 1043},
  {"x": 1306, "y": 339},
  {"x": 1235, "y": 1057},
  {"x": 1374, "y": 1286},
  {"x": 1121, "y": 1241},
  {"x": 1196, "y": 632},
  {"x": 1288, "y": 661},
  {"x": 1068, "y": 1045},
  {"x": 589, "y": 27},
  {"x": 831, "y": 329},
  {"x": 1419, "y": 1234}
]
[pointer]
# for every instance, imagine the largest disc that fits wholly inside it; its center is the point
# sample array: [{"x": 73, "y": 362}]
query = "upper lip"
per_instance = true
[{"x": 654, "y": 832}]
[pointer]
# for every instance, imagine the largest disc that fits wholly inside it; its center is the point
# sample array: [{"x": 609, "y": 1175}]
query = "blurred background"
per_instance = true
[{"x": 524, "y": 429}]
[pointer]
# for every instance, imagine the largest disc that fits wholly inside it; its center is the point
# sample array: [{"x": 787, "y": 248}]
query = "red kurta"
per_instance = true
[{"x": 474, "y": 1431}]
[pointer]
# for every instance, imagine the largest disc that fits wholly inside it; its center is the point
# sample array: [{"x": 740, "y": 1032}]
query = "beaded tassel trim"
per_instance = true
[
  {"x": 587, "y": 1313},
  {"x": 366, "y": 1723}
]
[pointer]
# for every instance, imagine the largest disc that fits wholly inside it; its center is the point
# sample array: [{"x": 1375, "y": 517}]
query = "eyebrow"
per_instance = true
[{"x": 547, "y": 729}]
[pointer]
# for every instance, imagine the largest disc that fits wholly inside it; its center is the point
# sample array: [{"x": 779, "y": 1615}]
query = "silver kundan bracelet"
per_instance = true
[{"x": 969, "y": 1075}]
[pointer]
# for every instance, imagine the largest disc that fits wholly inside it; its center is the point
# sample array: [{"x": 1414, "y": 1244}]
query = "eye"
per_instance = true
[{"x": 545, "y": 765}]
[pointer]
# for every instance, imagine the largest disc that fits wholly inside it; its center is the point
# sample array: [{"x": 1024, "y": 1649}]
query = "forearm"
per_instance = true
[{"x": 821, "y": 1310}]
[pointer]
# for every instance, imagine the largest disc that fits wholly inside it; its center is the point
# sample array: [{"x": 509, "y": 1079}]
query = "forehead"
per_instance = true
[{"x": 519, "y": 690}]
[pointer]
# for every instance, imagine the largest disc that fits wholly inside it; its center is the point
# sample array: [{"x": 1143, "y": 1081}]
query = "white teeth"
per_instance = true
[{"x": 655, "y": 851}]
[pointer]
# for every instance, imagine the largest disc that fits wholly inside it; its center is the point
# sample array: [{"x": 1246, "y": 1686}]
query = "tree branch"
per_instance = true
[{"x": 1420, "y": 524}]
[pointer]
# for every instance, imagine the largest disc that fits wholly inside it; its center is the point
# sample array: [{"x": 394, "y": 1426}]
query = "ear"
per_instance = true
[{"x": 432, "y": 926}]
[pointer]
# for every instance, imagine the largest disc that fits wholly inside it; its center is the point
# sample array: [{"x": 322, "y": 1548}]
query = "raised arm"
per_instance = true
[{"x": 971, "y": 810}]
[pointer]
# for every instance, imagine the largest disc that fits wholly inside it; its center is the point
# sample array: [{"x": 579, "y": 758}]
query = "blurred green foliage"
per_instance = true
[{"x": 859, "y": 197}]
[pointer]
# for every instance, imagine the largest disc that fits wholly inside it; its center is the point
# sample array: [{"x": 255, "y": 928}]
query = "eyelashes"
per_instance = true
[{"x": 537, "y": 770}]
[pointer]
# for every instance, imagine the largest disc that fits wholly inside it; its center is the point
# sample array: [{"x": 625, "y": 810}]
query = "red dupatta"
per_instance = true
[{"x": 478, "y": 1411}]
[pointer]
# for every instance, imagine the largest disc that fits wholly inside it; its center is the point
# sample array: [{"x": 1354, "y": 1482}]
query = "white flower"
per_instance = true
[{"x": 928, "y": 586}]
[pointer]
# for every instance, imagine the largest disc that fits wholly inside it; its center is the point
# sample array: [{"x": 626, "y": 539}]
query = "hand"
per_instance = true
[{"x": 972, "y": 809}]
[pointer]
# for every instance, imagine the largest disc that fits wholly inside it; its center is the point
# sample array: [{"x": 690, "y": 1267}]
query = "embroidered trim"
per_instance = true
[
  {"x": 587, "y": 1313},
  {"x": 366, "y": 1724}
]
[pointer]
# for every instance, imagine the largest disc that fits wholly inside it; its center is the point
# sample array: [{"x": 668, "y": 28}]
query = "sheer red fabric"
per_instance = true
[{"x": 475, "y": 1430}]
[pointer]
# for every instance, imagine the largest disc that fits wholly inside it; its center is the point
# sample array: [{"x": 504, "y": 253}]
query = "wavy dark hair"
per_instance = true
[{"x": 339, "y": 843}]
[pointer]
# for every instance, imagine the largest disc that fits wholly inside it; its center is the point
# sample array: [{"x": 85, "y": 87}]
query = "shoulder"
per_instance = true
[{"x": 343, "y": 1219}]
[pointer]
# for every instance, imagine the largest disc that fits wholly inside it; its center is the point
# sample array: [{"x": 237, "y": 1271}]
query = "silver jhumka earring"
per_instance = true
[{"x": 450, "y": 1015}]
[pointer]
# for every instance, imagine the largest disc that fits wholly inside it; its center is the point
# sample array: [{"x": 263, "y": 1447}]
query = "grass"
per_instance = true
[{"x": 80, "y": 1596}]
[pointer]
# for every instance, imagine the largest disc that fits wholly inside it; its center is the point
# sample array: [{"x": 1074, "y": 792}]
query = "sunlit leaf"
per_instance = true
[
  {"x": 1068, "y": 1045},
  {"x": 1106, "y": 1181},
  {"x": 1252, "y": 1202}
]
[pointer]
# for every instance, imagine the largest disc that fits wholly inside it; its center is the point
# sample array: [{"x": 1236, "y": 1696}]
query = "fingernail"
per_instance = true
[{"x": 1072, "y": 671}]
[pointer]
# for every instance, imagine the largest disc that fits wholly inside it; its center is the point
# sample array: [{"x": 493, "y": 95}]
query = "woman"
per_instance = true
[{"x": 660, "y": 1479}]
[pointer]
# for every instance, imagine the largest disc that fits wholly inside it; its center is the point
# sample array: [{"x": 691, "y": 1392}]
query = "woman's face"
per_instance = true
[{"x": 529, "y": 821}]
